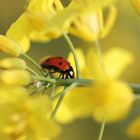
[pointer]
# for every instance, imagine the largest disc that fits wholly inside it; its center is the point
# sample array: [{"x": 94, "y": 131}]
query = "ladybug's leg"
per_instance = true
[
  {"x": 60, "y": 76},
  {"x": 63, "y": 76},
  {"x": 67, "y": 76}
]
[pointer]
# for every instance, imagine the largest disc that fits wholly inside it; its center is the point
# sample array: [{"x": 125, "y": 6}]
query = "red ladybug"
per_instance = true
[{"x": 60, "y": 65}]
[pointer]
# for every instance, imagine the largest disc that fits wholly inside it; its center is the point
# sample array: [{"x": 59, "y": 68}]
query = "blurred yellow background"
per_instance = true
[{"x": 125, "y": 34}]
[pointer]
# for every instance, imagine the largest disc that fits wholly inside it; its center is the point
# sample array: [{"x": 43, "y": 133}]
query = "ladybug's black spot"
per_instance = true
[
  {"x": 60, "y": 57},
  {"x": 60, "y": 63}
]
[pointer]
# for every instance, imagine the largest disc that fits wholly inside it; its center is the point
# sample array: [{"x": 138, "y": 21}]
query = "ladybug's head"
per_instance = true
[{"x": 71, "y": 72}]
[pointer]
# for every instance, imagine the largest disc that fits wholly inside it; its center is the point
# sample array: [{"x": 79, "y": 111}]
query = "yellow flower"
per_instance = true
[
  {"x": 133, "y": 129},
  {"x": 41, "y": 21},
  {"x": 23, "y": 117},
  {"x": 44, "y": 20},
  {"x": 111, "y": 57},
  {"x": 112, "y": 100},
  {"x": 12, "y": 63},
  {"x": 15, "y": 77},
  {"x": 108, "y": 98},
  {"x": 136, "y": 5},
  {"x": 76, "y": 104},
  {"x": 113, "y": 66},
  {"x": 90, "y": 24},
  {"x": 9, "y": 46}
]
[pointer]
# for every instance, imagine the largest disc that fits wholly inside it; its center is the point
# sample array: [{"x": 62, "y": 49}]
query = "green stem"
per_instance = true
[
  {"x": 57, "y": 106},
  {"x": 65, "y": 82},
  {"x": 137, "y": 97},
  {"x": 99, "y": 52},
  {"x": 80, "y": 82},
  {"x": 32, "y": 71},
  {"x": 135, "y": 87},
  {"x": 53, "y": 91},
  {"x": 34, "y": 91},
  {"x": 33, "y": 62},
  {"x": 41, "y": 78},
  {"x": 74, "y": 54},
  {"x": 101, "y": 131},
  {"x": 66, "y": 89}
]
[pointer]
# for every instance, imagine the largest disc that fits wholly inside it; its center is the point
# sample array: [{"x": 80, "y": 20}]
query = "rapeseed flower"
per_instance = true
[
  {"x": 23, "y": 117},
  {"x": 45, "y": 20},
  {"x": 42, "y": 20},
  {"x": 90, "y": 24},
  {"x": 112, "y": 100}
]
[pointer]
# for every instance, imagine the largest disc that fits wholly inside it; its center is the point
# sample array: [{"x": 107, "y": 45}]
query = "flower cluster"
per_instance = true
[
  {"x": 22, "y": 117},
  {"x": 96, "y": 91}
]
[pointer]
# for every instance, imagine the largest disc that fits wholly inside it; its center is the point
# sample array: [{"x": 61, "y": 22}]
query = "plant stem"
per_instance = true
[
  {"x": 65, "y": 82},
  {"x": 137, "y": 97},
  {"x": 79, "y": 82},
  {"x": 99, "y": 52},
  {"x": 34, "y": 91},
  {"x": 33, "y": 62},
  {"x": 32, "y": 71},
  {"x": 67, "y": 38},
  {"x": 57, "y": 106},
  {"x": 41, "y": 78},
  {"x": 64, "y": 91},
  {"x": 101, "y": 131},
  {"x": 135, "y": 87},
  {"x": 62, "y": 94}
]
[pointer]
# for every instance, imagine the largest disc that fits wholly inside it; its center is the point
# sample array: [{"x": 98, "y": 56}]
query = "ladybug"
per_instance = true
[{"x": 60, "y": 65}]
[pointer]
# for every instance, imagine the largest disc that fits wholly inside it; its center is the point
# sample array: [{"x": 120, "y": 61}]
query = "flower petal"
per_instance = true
[
  {"x": 116, "y": 61},
  {"x": 9, "y": 46}
]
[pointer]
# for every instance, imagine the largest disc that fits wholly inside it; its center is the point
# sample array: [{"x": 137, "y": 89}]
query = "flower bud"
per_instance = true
[
  {"x": 15, "y": 77},
  {"x": 9, "y": 46},
  {"x": 12, "y": 63}
]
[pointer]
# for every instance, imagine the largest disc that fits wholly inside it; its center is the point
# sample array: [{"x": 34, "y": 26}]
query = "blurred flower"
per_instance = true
[
  {"x": 111, "y": 57},
  {"x": 136, "y": 5},
  {"x": 44, "y": 20},
  {"x": 41, "y": 21},
  {"x": 12, "y": 63},
  {"x": 113, "y": 66},
  {"x": 15, "y": 77},
  {"x": 108, "y": 99},
  {"x": 133, "y": 129},
  {"x": 111, "y": 100},
  {"x": 90, "y": 23},
  {"x": 9, "y": 46},
  {"x": 23, "y": 117}
]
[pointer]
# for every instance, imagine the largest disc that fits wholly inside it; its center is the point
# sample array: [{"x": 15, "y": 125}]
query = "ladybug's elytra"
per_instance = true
[{"x": 60, "y": 65}]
